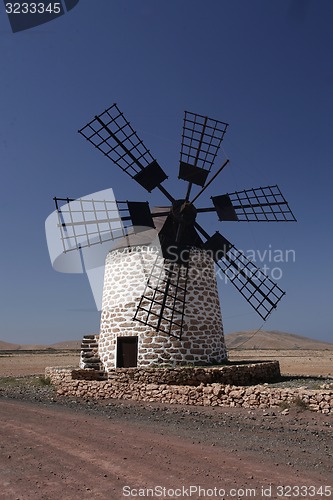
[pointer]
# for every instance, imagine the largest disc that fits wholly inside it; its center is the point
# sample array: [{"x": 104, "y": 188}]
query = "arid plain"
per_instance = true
[{"x": 297, "y": 355}]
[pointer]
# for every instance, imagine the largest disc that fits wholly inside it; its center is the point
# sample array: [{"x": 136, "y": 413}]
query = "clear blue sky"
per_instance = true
[{"x": 265, "y": 67}]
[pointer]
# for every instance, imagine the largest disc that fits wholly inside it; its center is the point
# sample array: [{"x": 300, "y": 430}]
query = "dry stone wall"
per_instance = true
[
  {"x": 236, "y": 374},
  {"x": 129, "y": 384},
  {"x": 126, "y": 273}
]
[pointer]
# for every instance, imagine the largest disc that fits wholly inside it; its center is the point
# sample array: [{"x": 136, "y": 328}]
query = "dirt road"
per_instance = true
[{"x": 116, "y": 450}]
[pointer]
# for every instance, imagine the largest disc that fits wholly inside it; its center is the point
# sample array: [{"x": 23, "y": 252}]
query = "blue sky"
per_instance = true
[{"x": 263, "y": 67}]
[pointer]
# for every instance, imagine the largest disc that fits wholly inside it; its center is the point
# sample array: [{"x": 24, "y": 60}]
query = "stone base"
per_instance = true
[
  {"x": 232, "y": 373},
  {"x": 137, "y": 384}
]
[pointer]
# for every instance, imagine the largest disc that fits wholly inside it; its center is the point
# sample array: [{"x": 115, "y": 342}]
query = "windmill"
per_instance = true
[{"x": 160, "y": 299}]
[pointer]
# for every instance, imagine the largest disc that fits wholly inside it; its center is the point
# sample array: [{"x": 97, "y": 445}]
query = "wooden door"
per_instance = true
[{"x": 127, "y": 352}]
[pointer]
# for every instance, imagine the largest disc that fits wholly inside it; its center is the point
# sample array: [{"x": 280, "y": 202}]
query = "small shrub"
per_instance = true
[
  {"x": 44, "y": 380},
  {"x": 300, "y": 404},
  {"x": 284, "y": 405}
]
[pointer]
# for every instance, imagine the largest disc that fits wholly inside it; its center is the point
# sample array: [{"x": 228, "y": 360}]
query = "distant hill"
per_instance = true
[
  {"x": 250, "y": 339},
  {"x": 66, "y": 344},
  {"x": 247, "y": 339},
  {"x": 7, "y": 346}
]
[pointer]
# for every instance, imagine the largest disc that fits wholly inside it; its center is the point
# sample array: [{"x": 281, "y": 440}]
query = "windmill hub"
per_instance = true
[{"x": 184, "y": 211}]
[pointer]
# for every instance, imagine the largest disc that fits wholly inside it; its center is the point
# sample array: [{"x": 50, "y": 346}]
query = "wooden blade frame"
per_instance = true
[
  {"x": 85, "y": 222},
  {"x": 162, "y": 305},
  {"x": 114, "y": 136},
  {"x": 201, "y": 140},
  {"x": 259, "y": 290},
  {"x": 264, "y": 204}
]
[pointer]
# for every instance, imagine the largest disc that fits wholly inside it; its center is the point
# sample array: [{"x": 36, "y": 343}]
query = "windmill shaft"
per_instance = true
[
  {"x": 210, "y": 181},
  {"x": 97, "y": 221},
  {"x": 100, "y": 221},
  {"x": 165, "y": 192},
  {"x": 249, "y": 205},
  {"x": 160, "y": 214},
  {"x": 256, "y": 205},
  {"x": 200, "y": 141},
  {"x": 203, "y": 210},
  {"x": 201, "y": 230},
  {"x": 190, "y": 184},
  {"x": 197, "y": 157}
]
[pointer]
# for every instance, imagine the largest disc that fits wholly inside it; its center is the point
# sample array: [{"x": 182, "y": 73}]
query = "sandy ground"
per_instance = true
[
  {"x": 56, "y": 448},
  {"x": 120, "y": 450},
  {"x": 292, "y": 362},
  {"x": 16, "y": 364}
]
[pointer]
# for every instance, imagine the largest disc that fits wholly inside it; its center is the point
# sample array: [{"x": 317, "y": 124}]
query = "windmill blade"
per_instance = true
[
  {"x": 85, "y": 222},
  {"x": 114, "y": 136},
  {"x": 264, "y": 204},
  {"x": 162, "y": 305},
  {"x": 259, "y": 290},
  {"x": 201, "y": 140}
]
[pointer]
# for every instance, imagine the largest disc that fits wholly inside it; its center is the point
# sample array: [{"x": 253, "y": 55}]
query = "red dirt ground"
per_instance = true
[{"x": 58, "y": 452}]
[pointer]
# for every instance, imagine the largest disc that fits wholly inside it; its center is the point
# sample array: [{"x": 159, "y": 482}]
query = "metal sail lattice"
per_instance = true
[
  {"x": 257, "y": 288},
  {"x": 264, "y": 204},
  {"x": 201, "y": 140},
  {"x": 110, "y": 132},
  {"x": 86, "y": 222},
  {"x": 162, "y": 304}
]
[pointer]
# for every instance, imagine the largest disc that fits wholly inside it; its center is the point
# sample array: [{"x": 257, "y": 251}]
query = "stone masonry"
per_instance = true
[
  {"x": 126, "y": 273},
  {"x": 136, "y": 384}
]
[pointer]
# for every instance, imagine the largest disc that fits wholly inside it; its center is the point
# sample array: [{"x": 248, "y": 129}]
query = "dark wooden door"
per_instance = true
[{"x": 127, "y": 352}]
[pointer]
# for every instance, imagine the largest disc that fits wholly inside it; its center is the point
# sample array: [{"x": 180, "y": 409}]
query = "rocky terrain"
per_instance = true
[
  {"x": 95, "y": 448},
  {"x": 55, "y": 447}
]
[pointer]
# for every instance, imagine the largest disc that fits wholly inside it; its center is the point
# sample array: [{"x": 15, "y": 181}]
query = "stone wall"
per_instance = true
[
  {"x": 126, "y": 273},
  {"x": 129, "y": 384},
  {"x": 237, "y": 374}
]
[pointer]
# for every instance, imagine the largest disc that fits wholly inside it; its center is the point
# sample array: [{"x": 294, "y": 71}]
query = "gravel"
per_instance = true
[{"x": 295, "y": 437}]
